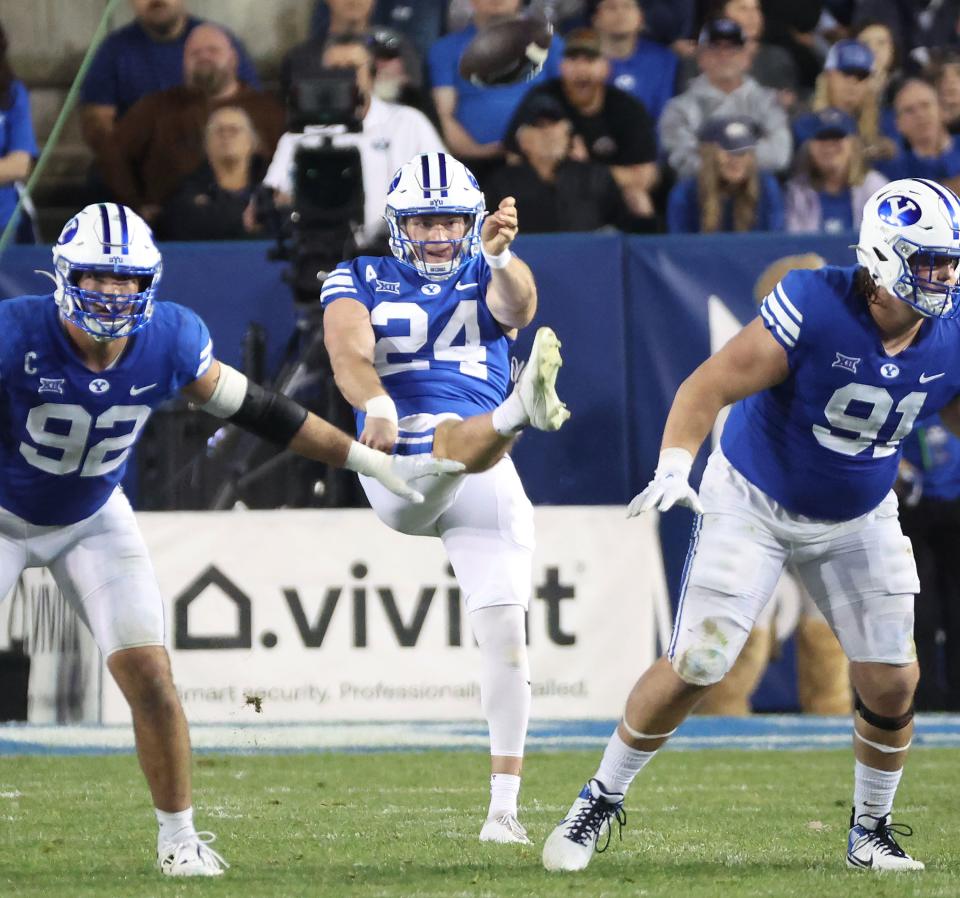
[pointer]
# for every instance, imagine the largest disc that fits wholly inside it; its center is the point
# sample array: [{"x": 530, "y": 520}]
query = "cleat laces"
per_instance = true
[
  {"x": 882, "y": 838},
  {"x": 589, "y": 820}
]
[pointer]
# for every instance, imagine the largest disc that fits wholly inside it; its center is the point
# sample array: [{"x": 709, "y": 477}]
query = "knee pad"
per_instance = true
[
  {"x": 500, "y": 631},
  {"x": 890, "y": 724},
  {"x": 501, "y": 634},
  {"x": 701, "y": 665},
  {"x": 705, "y": 648}
]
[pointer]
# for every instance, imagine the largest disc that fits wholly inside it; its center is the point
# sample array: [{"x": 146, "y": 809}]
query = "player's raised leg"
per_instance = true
[{"x": 480, "y": 441}]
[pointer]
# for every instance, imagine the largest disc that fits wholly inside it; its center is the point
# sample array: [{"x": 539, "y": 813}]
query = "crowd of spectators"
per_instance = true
[{"x": 648, "y": 115}]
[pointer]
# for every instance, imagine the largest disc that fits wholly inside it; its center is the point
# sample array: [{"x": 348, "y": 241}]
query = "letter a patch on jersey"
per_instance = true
[{"x": 847, "y": 362}]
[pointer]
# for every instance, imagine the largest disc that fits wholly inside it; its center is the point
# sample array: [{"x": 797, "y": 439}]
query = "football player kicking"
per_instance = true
[
  {"x": 80, "y": 372},
  {"x": 419, "y": 345},
  {"x": 827, "y": 381}
]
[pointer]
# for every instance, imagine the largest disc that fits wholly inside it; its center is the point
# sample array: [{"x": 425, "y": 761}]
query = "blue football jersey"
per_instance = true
[
  {"x": 438, "y": 348},
  {"x": 826, "y": 442},
  {"x": 66, "y": 431}
]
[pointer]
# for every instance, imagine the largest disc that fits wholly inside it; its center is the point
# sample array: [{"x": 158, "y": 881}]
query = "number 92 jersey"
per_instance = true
[
  {"x": 825, "y": 443},
  {"x": 438, "y": 348},
  {"x": 66, "y": 431}
]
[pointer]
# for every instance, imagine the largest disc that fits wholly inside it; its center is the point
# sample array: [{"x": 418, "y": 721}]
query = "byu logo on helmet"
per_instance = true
[
  {"x": 910, "y": 244},
  {"x": 899, "y": 210},
  {"x": 69, "y": 231}
]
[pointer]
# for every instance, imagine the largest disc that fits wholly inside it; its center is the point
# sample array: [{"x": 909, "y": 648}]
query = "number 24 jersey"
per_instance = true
[
  {"x": 826, "y": 442},
  {"x": 438, "y": 347}
]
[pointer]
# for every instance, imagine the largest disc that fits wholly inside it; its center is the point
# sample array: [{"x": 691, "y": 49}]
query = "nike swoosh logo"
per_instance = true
[
  {"x": 464, "y": 286},
  {"x": 925, "y": 378},
  {"x": 136, "y": 391}
]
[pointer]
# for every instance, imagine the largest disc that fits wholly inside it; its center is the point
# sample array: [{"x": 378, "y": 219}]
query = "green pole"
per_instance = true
[{"x": 68, "y": 105}]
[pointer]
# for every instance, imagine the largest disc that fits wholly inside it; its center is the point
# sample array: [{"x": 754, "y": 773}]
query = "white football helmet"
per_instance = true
[
  {"x": 106, "y": 237},
  {"x": 911, "y": 228},
  {"x": 434, "y": 184}
]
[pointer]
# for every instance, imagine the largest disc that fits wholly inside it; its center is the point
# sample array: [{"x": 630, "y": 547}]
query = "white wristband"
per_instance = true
[
  {"x": 501, "y": 260},
  {"x": 362, "y": 459},
  {"x": 381, "y": 407},
  {"x": 675, "y": 459}
]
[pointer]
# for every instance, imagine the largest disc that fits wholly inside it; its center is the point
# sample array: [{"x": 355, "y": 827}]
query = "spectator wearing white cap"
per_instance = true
[
  {"x": 832, "y": 181},
  {"x": 846, "y": 83},
  {"x": 729, "y": 193},
  {"x": 724, "y": 89},
  {"x": 933, "y": 152}
]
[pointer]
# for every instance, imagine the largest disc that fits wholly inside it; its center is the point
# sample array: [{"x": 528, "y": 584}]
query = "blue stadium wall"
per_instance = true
[{"x": 632, "y": 313}]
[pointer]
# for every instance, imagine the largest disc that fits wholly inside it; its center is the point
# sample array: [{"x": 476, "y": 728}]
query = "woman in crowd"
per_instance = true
[
  {"x": 846, "y": 83},
  {"x": 730, "y": 193},
  {"x": 210, "y": 204},
  {"x": 831, "y": 180},
  {"x": 18, "y": 144}
]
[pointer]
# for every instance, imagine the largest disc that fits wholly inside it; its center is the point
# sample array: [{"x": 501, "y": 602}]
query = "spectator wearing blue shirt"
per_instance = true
[
  {"x": 933, "y": 152},
  {"x": 18, "y": 145},
  {"x": 642, "y": 68},
  {"x": 473, "y": 119},
  {"x": 729, "y": 193},
  {"x": 144, "y": 57},
  {"x": 831, "y": 181},
  {"x": 929, "y": 490}
]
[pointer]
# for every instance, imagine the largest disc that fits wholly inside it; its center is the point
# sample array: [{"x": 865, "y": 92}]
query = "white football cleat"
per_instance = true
[
  {"x": 191, "y": 857},
  {"x": 571, "y": 845},
  {"x": 536, "y": 385},
  {"x": 504, "y": 828},
  {"x": 877, "y": 849}
]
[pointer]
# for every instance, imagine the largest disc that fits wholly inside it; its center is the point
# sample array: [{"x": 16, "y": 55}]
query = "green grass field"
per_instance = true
[{"x": 709, "y": 823}]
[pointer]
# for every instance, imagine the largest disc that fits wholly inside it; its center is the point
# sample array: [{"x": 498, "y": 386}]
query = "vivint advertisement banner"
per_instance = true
[{"x": 309, "y": 616}]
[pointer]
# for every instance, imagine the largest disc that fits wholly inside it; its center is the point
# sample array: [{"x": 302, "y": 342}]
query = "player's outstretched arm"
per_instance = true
[
  {"x": 349, "y": 339},
  {"x": 512, "y": 294},
  {"x": 752, "y": 361},
  {"x": 227, "y": 393}
]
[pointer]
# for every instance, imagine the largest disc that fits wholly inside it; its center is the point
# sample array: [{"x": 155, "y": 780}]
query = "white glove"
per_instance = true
[
  {"x": 669, "y": 486},
  {"x": 394, "y": 471}
]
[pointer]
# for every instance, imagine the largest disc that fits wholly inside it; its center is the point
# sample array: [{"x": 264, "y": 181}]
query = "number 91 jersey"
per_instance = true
[
  {"x": 66, "y": 431},
  {"x": 438, "y": 348},
  {"x": 826, "y": 442}
]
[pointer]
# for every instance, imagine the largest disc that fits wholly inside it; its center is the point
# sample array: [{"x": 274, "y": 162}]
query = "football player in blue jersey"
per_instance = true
[
  {"x": 826, "y": 381},
  {"x": 419, "y": 344},
  {"x": 80, "y": 372}
]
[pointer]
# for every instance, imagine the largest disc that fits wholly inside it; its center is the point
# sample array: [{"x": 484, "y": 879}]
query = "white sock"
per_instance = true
[
  {"x": 873, "y": 792},
  {"x": 504, "y": 789},
  {"x": 174, "y": 827},
  {"x": 509, "y": 417},
  {"x": 620, "y": 764}
]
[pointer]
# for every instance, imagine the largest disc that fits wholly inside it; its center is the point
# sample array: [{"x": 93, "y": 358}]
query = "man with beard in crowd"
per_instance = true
[{"x": 160, "y": 140}]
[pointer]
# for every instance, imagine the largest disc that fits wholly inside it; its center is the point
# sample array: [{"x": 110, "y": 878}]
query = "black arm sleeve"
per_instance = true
[{"x": 270, "y": 415}]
